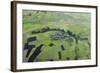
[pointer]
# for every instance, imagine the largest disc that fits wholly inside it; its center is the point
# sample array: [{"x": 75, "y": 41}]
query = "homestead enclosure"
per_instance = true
[{"x": 55, "y": 35}]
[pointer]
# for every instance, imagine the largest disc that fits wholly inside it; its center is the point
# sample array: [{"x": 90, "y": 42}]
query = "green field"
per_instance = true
[{"x": 55, "y": 36}]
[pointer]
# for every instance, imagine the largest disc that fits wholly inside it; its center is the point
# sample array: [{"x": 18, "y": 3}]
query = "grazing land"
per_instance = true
[{"x": 56, "y": 36}]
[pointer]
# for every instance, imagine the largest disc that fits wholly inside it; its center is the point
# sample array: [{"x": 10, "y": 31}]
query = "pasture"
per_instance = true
[{"x": 56, "y": 36}]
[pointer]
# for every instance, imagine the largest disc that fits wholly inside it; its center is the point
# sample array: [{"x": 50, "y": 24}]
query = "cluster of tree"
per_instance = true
[
  {"x": 47, "y": 29},
  {"x": 61, "y": 34},
  {"x": 71, "y": 35},
  {"x": 29, "y": 47}
]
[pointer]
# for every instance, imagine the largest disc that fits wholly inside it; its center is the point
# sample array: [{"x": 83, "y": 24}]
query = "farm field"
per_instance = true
[{"x": 56, "y": 36}]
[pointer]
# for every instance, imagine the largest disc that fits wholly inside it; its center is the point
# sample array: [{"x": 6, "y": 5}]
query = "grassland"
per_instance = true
[{"x": 55, "y": 36}]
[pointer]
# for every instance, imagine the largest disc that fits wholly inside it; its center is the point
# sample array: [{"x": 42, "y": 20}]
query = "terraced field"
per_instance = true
[{"x": 55, "y": 36}]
